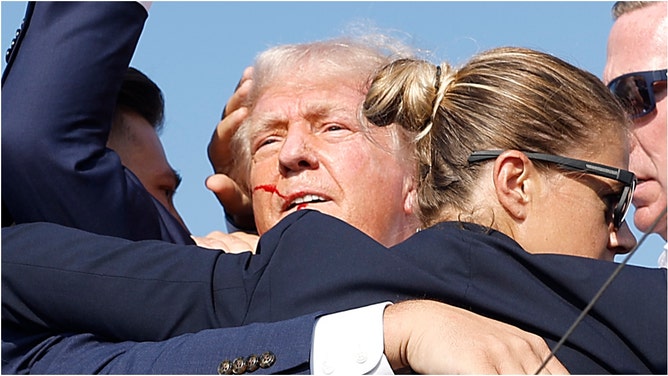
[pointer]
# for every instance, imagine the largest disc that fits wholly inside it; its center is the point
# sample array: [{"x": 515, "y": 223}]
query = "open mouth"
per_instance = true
[
  {"x": 302, "y": 201},
  {"x": 295, "y": 200}
]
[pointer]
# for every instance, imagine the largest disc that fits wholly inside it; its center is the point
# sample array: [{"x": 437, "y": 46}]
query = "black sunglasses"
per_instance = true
[
  {"x": 626, "y": 177},
  {"x": 636, "y": 91}
]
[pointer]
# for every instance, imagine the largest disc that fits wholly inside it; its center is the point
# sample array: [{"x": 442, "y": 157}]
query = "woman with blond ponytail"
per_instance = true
[
  {"x": 495, "y": 143},
  {"x": 523, "y": 164}
]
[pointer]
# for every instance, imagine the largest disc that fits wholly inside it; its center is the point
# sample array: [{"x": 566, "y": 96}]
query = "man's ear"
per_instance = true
[{"x": 514, "y": 182}]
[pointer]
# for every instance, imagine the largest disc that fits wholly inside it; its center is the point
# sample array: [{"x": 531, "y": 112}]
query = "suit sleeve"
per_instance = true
[
  {"x": 69, "y": 280},
  {"x": 198, "y": 353},
  {"x": 59, "y": 91}
]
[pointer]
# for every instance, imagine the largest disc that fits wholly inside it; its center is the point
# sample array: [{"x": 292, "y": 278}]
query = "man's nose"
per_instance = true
[{"x": 297, "y": 152}]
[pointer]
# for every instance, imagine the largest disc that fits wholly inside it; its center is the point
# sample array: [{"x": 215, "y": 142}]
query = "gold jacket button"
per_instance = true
[
  {"x": 267, "y": 359},
  {"x": 238, "y": 366},
  {"x": 253, "y": 363},
  {"x": 225, "y": 367}
]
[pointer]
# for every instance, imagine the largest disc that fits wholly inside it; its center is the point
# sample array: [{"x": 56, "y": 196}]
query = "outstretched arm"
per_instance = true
[
  {"x": 69, "y": 280},
  {"x": 422, "y": 335},
  {"x": 59, "y": 92}
]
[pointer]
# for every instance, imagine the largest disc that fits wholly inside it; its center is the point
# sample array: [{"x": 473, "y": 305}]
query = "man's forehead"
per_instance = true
[
  {"x": 631, "y": 33},
  {"x": 644, "y": 28},
  {"x": 313, "y": 105},
  {"x": 309, "y": 97}
]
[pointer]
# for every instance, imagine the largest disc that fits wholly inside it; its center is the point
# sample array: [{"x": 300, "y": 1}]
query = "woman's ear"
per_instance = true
[
  {"x": 410, "y": 196},
  {"x": 514, "y": 182}
]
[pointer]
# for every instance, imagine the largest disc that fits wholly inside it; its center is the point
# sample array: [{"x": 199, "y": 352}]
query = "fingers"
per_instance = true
[
  {"x": 517, "y": 352},
  {"x": 231, "y": 243},
  {"x": 240, "y": 92},
  {"x": 247, "y": 238},
  {"x": 204, "y": 242},
  {"x": 219, "y": 147},
  {"x": 233, "y": 116},
  {"x": 540, "y": 352},
  {"x": 510, "y": 350},
  {"x": 236, "y": 203},
  {"x": 552, "y": 367},
  {"x": 230, "y": 195}
]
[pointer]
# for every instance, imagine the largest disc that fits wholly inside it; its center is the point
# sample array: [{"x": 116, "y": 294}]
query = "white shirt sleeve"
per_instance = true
[{"x": 350, "y": 342}]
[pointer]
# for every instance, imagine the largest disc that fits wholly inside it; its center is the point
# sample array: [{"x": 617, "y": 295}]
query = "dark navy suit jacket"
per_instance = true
[
  {"x": 140, "y": 289},
  {"x": 59, "y": 92}
]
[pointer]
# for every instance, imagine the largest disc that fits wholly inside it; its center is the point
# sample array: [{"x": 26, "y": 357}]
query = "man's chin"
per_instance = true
[
  {"x": 298, "y": 209},
  {"x": 645, "y": 217}
]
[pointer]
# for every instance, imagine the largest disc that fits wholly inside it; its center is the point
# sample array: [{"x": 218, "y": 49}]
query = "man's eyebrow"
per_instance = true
[{"x": 266, "y": 122}]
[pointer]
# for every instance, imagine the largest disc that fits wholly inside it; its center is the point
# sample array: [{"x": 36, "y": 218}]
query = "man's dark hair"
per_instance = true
[
  {"x": 623, "y": 7},
  {"x": 141, "y": 95}
]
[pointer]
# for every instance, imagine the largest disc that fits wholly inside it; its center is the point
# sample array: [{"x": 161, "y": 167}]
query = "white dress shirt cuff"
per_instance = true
[{"x": 350, "y": 342}]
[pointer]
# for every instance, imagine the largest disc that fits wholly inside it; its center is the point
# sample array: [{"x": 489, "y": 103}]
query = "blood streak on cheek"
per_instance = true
[
  {"x": 269, "y": 188},
  {"x": 272, "y": 189}
]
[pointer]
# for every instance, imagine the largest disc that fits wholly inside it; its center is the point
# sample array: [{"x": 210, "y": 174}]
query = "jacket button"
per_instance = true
[
  {"x": 253, "y": 363},
  {"x": 238, "y": 366},
  {"x": 11, "y": 46},
  {"x": 225, "y": 368},
  {"x": 267, "y": 359},
  {"x": 9, "y": 50}
]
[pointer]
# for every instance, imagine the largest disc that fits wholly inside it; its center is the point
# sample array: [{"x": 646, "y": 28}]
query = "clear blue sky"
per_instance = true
[{"x": 196, "y": 51}]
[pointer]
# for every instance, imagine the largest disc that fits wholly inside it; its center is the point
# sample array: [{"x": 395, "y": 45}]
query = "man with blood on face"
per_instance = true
[{"x": 298, "y": 148}]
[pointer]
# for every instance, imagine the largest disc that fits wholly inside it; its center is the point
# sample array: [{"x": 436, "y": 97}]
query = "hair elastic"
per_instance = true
[{"x": 427, "y": 129}]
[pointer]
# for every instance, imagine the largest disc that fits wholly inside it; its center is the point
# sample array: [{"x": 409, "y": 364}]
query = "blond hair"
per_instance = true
[{"x": 505, "y": 98}]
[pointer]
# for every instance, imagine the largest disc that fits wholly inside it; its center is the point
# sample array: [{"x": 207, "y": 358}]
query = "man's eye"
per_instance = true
[
  {"x": 268, "y": 141},
  {"x": 333, "y": 127},
  {"x": 265, "y": 142}
]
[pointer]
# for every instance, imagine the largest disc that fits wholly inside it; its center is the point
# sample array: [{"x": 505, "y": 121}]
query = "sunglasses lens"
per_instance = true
[
  {"x": 622, "y": 207},
  {"x": 634, "y": 93}
]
